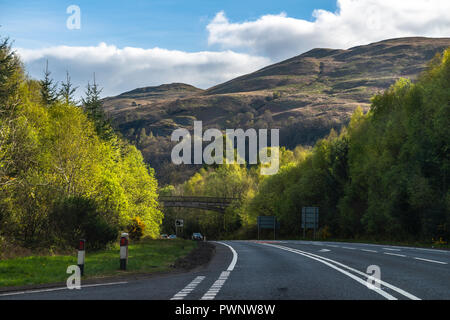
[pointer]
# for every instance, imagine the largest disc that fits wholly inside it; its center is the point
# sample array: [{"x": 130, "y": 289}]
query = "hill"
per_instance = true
[{"x": 304, "y": 96}]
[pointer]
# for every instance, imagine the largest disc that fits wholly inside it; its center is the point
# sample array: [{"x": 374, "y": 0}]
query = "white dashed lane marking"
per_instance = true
[
  {"x": 188, "y": 289},
  {"x": 395, "y": 254},
  {"x": 428, "y": 260},
  {"x": 215, "y": 288},
  {"x": 368, "y": 250}
]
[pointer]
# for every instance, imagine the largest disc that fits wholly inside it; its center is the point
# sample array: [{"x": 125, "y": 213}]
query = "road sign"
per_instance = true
[
  {"x": 310, "y": 219},
  {"x": 179, "y": 222},
  {"x": 265, "y": 222},
  {"x": 268, "y": 222}
]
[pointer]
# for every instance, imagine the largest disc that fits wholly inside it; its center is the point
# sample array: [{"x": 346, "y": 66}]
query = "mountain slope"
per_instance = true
[{"x": 304, "y": 96}]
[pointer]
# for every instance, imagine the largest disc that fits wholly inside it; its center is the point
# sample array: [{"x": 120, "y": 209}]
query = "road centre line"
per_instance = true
[
  {"x": 336, "y": 263},
  {"x": 188, "y": 289},
  {"x": 217, "y": 285},
  {"x": 395, "y": 254},
  {"x": 368, "y": 250},
  {"x": 391, "y": 249}
]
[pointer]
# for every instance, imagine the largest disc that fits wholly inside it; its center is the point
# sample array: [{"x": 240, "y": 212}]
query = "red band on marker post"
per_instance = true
[
  {"x": 81, "y": 255},
  {"x": 123, "y": 251}
]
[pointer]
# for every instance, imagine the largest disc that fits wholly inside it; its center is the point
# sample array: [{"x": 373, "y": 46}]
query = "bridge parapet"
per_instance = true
[{"x": 206, "y": 203}]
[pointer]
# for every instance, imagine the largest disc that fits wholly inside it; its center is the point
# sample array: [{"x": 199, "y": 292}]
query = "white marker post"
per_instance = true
[
  {"x": 81, "y": 255},
  {"x": 123, "y": 251}
]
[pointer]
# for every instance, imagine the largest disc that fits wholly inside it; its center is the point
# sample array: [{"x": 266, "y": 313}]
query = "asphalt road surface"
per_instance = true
[{"x": 286, "y": 270}]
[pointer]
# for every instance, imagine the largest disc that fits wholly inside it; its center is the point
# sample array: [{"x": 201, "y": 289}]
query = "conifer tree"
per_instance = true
[
  {"x": 67, "y": 91},
  {"x": 48, "y": 88},
  {"x": 94, "y": 109}
]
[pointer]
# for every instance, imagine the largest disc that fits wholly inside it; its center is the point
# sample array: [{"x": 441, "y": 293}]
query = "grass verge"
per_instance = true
[{"x": 146, "y": 256}]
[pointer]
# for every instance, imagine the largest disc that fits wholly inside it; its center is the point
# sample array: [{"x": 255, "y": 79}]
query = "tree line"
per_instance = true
[{"x": 64, "y": 173}]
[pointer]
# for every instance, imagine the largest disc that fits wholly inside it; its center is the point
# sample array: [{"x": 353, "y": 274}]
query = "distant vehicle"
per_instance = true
[
  {"x": 172, "y": 236},
  {"x": 164, "y": 236},
  {"x": 197, "y": 236}
]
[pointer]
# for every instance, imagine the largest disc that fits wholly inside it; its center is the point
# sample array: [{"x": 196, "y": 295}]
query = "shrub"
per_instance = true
[
  {"x": 77, "y": 218},
  {"x": 136, "y": 228}
]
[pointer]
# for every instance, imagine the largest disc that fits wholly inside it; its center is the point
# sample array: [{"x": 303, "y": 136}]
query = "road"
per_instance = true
[{"x": 286, "y": 270}]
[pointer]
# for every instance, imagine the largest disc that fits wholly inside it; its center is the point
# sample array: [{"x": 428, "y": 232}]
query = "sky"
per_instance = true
[{"x": 137, "y": 43}]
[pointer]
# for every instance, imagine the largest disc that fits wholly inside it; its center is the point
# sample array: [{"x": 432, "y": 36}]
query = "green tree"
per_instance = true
[
  {"x": 67, "y": 90},
  {"x": 93, "y": 107},
  {"x": 48, "y": 88}
]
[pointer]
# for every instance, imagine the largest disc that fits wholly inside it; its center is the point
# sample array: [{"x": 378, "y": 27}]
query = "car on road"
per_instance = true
[
  {"x": 197, "y": 236},
  {"x": 164, "y": 236},
  {"x": 172, "y": 236}
]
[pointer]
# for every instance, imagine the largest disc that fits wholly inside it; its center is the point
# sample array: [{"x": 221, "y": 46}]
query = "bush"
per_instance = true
[
  {"x": 136, "y": 228},
  {"x": 77, "y": 218}
]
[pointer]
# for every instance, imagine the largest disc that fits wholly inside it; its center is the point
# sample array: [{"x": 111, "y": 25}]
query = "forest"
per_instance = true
[
  {"x": 64, "y": 173},
  {"x": 384, "y": 176}
]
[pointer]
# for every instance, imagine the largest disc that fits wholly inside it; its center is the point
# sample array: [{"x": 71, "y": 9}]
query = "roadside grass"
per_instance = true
[{"x": 146, "y": 256}]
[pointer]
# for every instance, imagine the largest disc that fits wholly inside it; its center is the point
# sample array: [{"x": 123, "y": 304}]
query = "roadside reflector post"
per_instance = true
[
  {"x": 123, "y": 251},
  {"x": 81, "y": 255}
]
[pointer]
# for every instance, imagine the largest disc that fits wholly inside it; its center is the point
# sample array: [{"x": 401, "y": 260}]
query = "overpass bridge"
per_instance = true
[{"x": 206, "y": 203}]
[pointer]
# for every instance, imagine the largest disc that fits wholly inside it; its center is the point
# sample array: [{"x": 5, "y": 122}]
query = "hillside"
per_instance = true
[{"x": 304, "y": 96}]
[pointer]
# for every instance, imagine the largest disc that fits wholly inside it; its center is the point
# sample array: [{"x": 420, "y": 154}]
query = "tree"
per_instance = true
[
  {"x": 93, "y": 108},
  {"x": 48, "y": 88},
  {"x": 11, "y": 74},
  {"x": 67, "y": 90}
]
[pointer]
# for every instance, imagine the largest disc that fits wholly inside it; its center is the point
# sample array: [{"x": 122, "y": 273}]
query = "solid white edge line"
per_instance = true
[
  {"x": 388, "y": 285},
  {"x": 60, "y": 288},
  {"x": 434, "y": 261},
  {"x": 348, "y": 274},
  {"x": 235, "y": 256},
  {"x": 217, "y": 285}
]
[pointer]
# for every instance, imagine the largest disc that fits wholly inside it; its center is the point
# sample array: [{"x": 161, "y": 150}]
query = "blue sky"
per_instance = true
[
  {"x": 137, "y": 43},
  {"x": 171, "y": 24}
]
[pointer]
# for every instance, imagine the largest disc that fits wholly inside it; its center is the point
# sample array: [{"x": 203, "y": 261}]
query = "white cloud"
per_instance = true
[
  {"x": 356, "y": 22},
  {"x": 260, "y": 42},
  {"x": 118, "y": 70}
]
